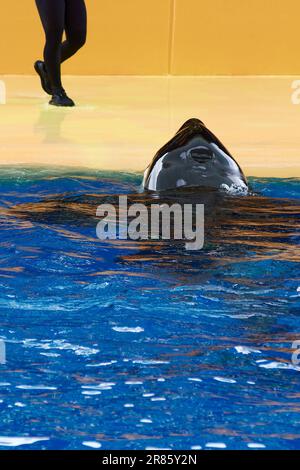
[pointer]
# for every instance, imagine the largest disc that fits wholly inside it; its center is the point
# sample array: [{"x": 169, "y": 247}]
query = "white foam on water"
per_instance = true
[
  {"x": 279, "y": 365},
  {"x": 146, "y": 421},
  {"x": 148, "y": 395},
  {"x": 35, "y": 387},
  {"x": 235, "y": 189},
  {"x": 158, "y": 399},
  {"x": 91, "y": 392},
  {"x": 50, "y": 354},
  {"x": 127, "y": 329},
  {"x": 196, "y": 448},
  {"x": 133, "y": 382},
  {"x": 61, "y": 345},
  {"x": 20, "y": 441},
  {"x": 92, "y": 444},
  {"x": 149, "y": 362},
  {"x": 101, "y": 386},
  {"x": 246, "y": 350},
  {"x": 224, "y": 379},
  {"x": 19, "y": 404},
  {"x": 216, "y": 445},
  {"x": 129, "y": 405},
  {"x": 194, "y": 379},
  {"x": 254, "y": 445},
  {"x": 102, "y": 364}
]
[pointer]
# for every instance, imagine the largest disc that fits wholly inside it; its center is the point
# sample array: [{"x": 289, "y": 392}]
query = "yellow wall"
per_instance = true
[
  {"x": 182, "y": 37},
  {"x": 239, "y": 37}
]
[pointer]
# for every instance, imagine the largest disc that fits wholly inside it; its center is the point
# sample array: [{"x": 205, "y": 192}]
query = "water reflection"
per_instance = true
[
  {"x": 237, "y": 229},
  {"x": 49, "y": 125}
]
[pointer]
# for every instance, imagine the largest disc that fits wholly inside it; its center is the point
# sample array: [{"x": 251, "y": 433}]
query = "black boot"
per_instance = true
[
  {"x": 40, "y": 69},
  {"x": 60, "y": 98}
]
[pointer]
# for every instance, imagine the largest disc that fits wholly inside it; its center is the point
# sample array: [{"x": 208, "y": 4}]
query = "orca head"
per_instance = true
[{"x": 194, "y": 158}]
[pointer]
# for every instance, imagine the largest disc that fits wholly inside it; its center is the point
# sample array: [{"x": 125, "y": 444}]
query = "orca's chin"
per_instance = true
[
  {"x": 192, "y": 189},
  {"x": 194, "y": 159},
  {"x": 225, "y": 189}
]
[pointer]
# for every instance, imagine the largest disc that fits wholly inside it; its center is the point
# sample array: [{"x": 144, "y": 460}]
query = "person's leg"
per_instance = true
[
  {"x": 52, "y": 13},
  {"x": 75, "y": 28}
]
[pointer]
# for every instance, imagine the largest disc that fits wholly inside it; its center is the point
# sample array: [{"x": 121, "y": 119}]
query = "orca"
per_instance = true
[{"x": 194, "y": 158}]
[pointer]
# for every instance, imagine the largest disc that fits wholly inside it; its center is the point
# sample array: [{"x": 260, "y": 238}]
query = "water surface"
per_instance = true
[{"x": 135, "y": 345}]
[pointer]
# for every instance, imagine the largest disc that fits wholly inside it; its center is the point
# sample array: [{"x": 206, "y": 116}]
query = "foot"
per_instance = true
[
  {"x": 40, "y": 69},
  {"x": 60, "y": 98}
]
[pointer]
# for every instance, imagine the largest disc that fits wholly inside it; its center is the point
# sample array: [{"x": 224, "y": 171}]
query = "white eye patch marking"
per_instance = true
[{"x": 231, "y": 163}]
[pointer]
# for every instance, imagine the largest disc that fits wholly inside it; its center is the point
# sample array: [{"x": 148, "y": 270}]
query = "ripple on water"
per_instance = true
[
  {"x": 60, "y": 344},
  {"x": 279, "y": 365},
  {"x": 101, "y": 386},
  {"x": 225, "y": 380},
  {"x": 245, "y": 350},
  {"x": 35, "y": 387},
  {"x": 216, "y": 445},
  {"x": 254, "y": 445},
  {"x": 128, "y": 329},
  {"x": 20, "y": 441},
  {"x": 133, "y": 382},
  {"x": 149, "y": 362},
  {"x": 102, "y": 364},
  {"x": 92, "y": 444}
]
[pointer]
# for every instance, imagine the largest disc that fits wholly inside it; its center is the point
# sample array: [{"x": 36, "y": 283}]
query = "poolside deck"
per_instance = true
[{"x": 120, "y": 122}]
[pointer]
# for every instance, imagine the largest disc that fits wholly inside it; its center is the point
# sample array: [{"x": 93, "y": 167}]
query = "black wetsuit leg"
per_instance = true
[
  {"x": 75, "y": 28},
  {"x": 58, "y": 16}
]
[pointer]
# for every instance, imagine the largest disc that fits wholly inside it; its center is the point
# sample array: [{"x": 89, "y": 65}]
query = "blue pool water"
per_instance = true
[{"x": 136, "y": 345}]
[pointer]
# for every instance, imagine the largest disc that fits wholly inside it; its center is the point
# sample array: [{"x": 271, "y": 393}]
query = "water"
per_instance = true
[{"x": 137, "y": 345}]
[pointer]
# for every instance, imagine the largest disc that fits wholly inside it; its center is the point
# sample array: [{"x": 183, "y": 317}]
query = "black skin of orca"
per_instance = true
[{"x": 193, "y": 158}]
